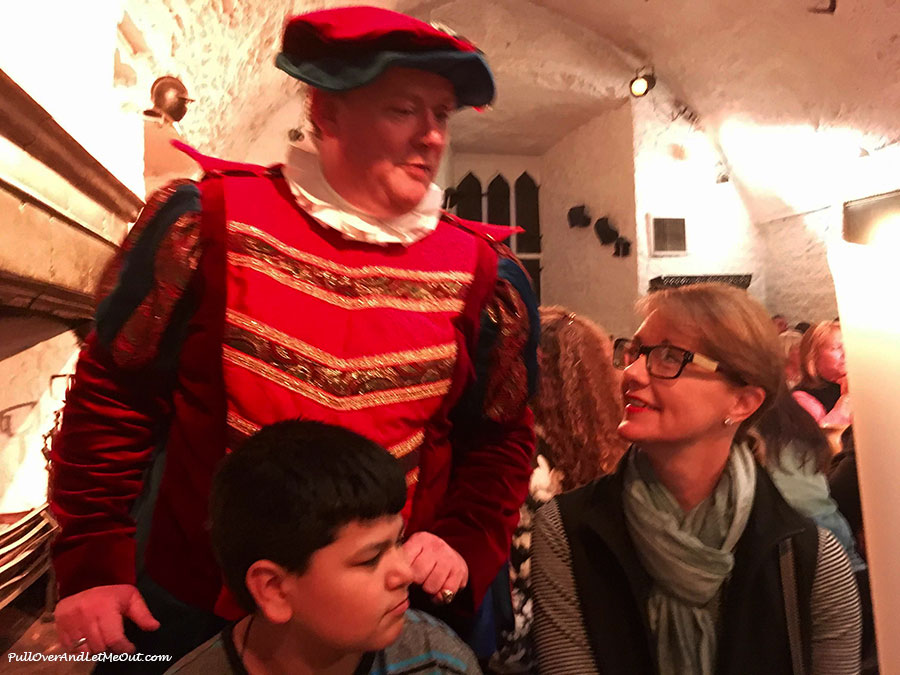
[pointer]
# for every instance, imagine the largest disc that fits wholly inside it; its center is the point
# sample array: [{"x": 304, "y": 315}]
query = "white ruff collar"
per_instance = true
[{"x": 319, "y": 200}]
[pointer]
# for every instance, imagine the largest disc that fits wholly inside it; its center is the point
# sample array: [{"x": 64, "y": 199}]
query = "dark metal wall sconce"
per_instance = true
[{"x": 579, "y": 216}]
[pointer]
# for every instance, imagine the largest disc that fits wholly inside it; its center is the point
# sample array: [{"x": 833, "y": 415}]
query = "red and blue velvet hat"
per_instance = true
[{"x": 348, "y": 47}]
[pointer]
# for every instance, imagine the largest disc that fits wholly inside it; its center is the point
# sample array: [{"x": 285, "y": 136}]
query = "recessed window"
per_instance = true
[
  {"x": 503, "y": 208},
  {"x": 667, "y": 236}
]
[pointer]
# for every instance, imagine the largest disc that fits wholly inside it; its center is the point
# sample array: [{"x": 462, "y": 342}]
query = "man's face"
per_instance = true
[
  {"x": 384, "y": 141},
  {"x": 353, "y": 595}
]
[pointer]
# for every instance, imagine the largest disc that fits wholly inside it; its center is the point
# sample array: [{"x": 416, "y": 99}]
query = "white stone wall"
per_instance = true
[
  {"x": 593, "y": 165},
  {"x": 676, "y": 169},
  {"x": 798, "y": 279},
  {"x": 62, "y": 54},
  {"x": 28, "y": 403}
]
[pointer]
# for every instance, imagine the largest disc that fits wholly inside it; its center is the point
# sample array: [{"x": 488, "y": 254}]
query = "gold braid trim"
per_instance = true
[
  {"x": 355, "y": 402},
  {"x": 402, "y": 449},
  {"x": 445, "y": 351},
  {"x": 422, "y": 276},
  {"x": 398, "y": 450},
  {"x": 366, "y": 302},
  {"x": 242, "y": 425}
]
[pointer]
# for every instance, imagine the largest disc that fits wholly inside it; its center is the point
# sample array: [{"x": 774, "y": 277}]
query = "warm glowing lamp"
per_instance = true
[
  {"x": 643, "y": 82},
  {"x": 864, "y": 268}
]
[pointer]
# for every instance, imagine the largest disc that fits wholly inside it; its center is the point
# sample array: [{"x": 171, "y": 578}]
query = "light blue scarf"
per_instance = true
[{"x": 689, "y": 556}]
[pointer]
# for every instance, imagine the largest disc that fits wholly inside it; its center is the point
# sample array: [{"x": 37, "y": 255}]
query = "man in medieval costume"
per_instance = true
[{"x": 333, "y": 288}]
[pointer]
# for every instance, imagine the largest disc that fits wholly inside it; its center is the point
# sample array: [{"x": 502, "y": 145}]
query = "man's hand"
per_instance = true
[
  {"x": 436, "y": 567},
  {"x": 96, "y": 614}
]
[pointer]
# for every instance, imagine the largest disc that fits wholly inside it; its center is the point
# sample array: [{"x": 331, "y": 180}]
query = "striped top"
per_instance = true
[{"x": 561, "y": 640}]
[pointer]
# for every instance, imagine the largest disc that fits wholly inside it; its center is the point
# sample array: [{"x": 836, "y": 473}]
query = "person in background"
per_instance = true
[
  {"x": 333, "y": 289},
  {"x": 780, "y": 323},
  {"x": 306, "y": 527},
  {"x": 577, "y": 409},
  {"x": 843, "y": 482},
  {"x": 790, "y": 345},
  {"x": 796, "y": 454},
  {"x": 687, "y": 559},
  {"x": 823, "y": 388}
]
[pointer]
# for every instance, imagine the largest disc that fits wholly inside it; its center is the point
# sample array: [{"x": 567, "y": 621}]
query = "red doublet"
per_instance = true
[
  {"x": 372, "y": 339},
  {"x": 294, "y": 321}
]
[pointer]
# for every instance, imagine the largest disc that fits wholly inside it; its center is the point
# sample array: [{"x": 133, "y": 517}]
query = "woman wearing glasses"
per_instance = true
[{"x": 687, "y": 559}]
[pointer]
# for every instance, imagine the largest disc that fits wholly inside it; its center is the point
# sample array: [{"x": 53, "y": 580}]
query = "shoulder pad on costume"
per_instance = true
[
  {"x": 494, "y": 233},
  {"x": 216, "y": 165}
]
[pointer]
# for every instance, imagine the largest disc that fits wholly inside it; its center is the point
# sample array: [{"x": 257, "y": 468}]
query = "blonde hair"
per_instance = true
[
  {"x": 731, "y": 327},
  {"x": 578, "y": 406},
  {"x": 789, "y": 340},
  {"x": 810, "y": 346}
]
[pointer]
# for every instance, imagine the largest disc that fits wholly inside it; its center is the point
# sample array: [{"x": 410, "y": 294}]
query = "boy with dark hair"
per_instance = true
[{"x": 306, "y": 527}]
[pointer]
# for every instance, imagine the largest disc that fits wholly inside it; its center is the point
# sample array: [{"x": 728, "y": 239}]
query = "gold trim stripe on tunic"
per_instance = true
[
  {"x": 350, "y": 286},
  {"x": 398, "y": 450},
  {"x": 353, "y": 272},
  {"x": 402, "y": 449},
  {"x": 444, "y": 351},
  {"x": 412, "y": 477},
  {"x": 366, "y": 302},
  {"x": 335, "y": 381},
  {"x": 352, "y": 402},
  {"x": 245, "y": 426}
]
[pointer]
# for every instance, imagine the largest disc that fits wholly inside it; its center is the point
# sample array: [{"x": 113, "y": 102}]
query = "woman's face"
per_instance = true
[
  {"x": 679, "y": 412},
  {"x": 830, "y": 358}
]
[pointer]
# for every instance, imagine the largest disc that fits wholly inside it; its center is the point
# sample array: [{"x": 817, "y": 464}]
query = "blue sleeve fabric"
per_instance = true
[
  {"x": 144, "y": 308},
  {"x": 505, "y": 356}
]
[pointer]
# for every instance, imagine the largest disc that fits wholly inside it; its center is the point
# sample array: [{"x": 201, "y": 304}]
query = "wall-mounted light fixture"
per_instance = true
[{"x": 644, "y": 80}]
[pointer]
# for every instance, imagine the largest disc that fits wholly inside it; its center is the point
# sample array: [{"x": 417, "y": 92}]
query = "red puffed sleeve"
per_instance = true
[{"x": 119, "y": 402}]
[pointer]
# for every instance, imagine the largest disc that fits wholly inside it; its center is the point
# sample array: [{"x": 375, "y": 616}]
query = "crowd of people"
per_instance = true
[{"x": 322, "y": 426}]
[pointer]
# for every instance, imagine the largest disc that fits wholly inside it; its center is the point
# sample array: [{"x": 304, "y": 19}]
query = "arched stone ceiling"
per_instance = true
[{"x": 774, "y": 83}]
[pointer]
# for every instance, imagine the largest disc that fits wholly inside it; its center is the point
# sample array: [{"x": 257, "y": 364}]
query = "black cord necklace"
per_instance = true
[{"x": 246, "y": 640}]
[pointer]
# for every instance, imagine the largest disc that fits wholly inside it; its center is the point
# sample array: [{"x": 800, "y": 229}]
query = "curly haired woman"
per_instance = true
[{"x": 577, "y": 409}]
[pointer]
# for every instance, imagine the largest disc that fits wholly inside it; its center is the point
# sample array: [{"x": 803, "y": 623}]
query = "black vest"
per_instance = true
[
  {"x": 827, "y": 394},
  {"x": 613, "y": 587}
]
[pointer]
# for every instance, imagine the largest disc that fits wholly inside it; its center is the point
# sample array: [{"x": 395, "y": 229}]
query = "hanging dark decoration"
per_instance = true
[
  {"x": 605, "y": 232},
  {"x": 622, "y": 248},
  {"x": 578, "y": 216}
]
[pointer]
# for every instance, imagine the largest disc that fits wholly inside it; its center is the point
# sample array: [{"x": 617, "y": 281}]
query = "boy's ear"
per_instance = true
[{"x": 265, "y": 582}]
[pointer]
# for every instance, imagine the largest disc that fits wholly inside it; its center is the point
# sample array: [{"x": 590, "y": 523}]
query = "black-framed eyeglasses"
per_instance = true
[{"x": 665, "y": 361}]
